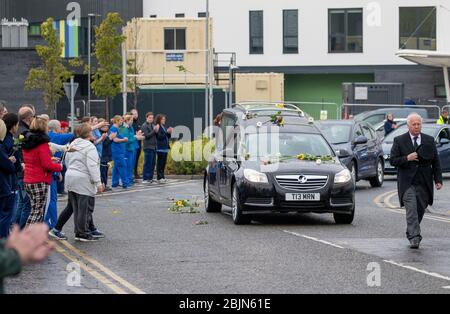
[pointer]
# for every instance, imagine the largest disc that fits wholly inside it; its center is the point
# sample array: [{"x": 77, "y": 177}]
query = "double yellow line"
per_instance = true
[
  {"x": 385, "y": 201},
  {"x": 94, "y": 268}
]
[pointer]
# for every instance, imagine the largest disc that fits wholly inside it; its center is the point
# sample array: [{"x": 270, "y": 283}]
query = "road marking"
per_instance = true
[
  {"x": 103, "y": 268},
  {"x": 313, "y": 239},
  {"x": 435, "y": 275},
  {"x": 386, "y": 199},
  {"x": 377, "y": 200},
  {"x": 446, "y": 287},
  {"x": 102, "y": 279},
  {"x": 150, "y": 188}
]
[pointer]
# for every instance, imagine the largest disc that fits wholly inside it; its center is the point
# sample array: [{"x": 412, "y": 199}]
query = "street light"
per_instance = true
[{"x": 90, "y": 15}]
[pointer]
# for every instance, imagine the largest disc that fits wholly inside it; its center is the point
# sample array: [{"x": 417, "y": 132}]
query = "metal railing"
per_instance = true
[{"x": 351, "y": 110}]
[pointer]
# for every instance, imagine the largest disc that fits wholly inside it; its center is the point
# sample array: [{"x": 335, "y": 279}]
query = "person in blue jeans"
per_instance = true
[
  {"x": 56, "y": 137},
  {"x": 163, "y": 136},
  {"x": 118, "y": 151},
  {"x": 149, "y": 143}
]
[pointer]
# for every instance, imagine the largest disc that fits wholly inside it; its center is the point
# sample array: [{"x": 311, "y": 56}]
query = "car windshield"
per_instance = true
[
  {"x": 286, "y": 144},
  {"x": 337, "y": 133},
  {"x": 429, "y": 130}
]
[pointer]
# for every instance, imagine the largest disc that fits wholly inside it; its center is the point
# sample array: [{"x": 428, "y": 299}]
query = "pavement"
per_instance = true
[{"x": 149, "y": 249}]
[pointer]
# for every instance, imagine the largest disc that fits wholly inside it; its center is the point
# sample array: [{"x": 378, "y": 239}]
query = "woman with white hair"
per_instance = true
[{"x": 82, "y": 183}]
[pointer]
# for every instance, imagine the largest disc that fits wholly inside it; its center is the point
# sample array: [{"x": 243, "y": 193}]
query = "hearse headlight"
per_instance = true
[
  {"x": 343, "y": 177},
  {"x": 386, "y": 157},
  {"x": 255, "y": 176}
]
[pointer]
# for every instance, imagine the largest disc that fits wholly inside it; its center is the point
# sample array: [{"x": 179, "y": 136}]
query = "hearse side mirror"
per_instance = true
[
  {"x": 360, "y": 140},
  {"x": 444, "y": 141},
  {"x": 342, "y": 153}
]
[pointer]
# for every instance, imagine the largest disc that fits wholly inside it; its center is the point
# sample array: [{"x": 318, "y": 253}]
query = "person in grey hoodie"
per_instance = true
[
  {"x": 149, "y": 131},
  {"x": 83, "y": 182}
]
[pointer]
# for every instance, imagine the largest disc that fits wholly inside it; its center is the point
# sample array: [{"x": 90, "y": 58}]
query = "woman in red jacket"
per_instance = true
[{"x": 39, "y": 168}]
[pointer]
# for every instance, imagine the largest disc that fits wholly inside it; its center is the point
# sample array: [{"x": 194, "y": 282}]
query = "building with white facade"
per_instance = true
[{"x": 318, "y": 45}]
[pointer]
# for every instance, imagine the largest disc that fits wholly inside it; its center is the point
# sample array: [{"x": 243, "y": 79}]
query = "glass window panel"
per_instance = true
[
  {"x": 290, "y": 31},
  {"x": 418, "y": 28},
  {"x": 337, "y": 31},
  {"x": 256, "y": 32},
  {"x": 180, "y": 39},
  {"x": 169, "y": 39}
]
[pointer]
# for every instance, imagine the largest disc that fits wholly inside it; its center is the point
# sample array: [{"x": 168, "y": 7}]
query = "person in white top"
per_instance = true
[{"x": 83, "y": 182}]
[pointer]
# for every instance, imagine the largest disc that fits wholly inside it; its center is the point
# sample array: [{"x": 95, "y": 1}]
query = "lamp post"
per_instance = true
[
  {"x": 90, "y": 15},
  {"x": 207, "y": 63}
]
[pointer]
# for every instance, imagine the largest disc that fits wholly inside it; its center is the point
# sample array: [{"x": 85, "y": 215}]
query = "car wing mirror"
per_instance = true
[
  {"x": 444, "y": 141},
  {"x": 360, "y": 140},
  {"x": 342, "y": 153}
]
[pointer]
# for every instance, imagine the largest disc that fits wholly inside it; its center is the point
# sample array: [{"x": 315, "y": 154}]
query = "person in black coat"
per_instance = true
[
  {"x": 416, "y": 157},
  {"x": 163, "y": 135}
]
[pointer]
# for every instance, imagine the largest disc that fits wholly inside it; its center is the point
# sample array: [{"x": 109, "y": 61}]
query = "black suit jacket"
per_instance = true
[{"x": 430, "y": 170}]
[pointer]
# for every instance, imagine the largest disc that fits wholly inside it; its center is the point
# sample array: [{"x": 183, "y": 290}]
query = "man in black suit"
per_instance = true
[{"x": 416, "y": 157}]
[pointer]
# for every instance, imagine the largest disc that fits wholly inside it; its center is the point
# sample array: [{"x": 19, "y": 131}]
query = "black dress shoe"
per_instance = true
[{"x": 415, "y": 243}]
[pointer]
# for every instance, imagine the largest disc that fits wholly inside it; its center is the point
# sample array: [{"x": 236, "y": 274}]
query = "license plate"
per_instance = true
[{"x": 303, "y": 197}]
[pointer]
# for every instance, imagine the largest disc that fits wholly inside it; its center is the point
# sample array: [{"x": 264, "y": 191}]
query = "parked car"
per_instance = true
[
  {"x": 440, "y": 132},
  {"x": 376, "y": 116},
  {"x": 359, "y": 139},
  {"x": 298, "y": 171}
]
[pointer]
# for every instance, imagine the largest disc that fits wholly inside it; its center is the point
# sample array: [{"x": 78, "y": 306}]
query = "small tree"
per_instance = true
[
  {"x": 107, "y": 78},
  {"x": 52, "y": 74}
]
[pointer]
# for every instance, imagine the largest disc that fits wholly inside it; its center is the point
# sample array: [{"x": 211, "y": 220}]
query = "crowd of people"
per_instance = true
[{"x": 41, "y": 159}]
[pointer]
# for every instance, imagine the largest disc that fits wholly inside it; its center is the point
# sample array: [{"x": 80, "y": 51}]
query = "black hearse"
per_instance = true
[{"x": 271, "y": 158}]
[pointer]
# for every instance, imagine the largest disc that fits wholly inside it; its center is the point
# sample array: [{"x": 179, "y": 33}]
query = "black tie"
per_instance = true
[{"x": 415, "y": 142}]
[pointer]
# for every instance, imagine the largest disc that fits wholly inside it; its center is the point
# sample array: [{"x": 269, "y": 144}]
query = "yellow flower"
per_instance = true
[
  {"x": 301, "y": 157},
  {"x": 21, "y": 137},
  {"x": 179, "y": 203},
  {"x": 281, "y": 106}
]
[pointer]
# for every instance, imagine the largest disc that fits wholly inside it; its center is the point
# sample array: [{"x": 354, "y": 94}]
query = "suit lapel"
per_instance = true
[{"x": 409, "y": 142}]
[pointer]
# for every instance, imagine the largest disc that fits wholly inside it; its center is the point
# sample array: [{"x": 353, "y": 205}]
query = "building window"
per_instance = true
[
  {"x": 175, "y": 39},
  {"x": 256, "y": 32},
  {"x": 179, "y": 15},
  {"x": 34, "y": 29},
  {"x": 418, "y": 28},
  {"x": 201, "y": 14},
  {"x": 345, "y": 30},
  {"x": 290, "y": 31}
]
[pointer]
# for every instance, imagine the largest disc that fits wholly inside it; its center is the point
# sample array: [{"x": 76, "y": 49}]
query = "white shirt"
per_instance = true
[{"x": 419, "y": 139}]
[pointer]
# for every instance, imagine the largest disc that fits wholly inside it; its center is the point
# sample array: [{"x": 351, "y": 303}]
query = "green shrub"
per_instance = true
[
  {"x": 183, "y": 167},
  {"x": 194, "y": 150}
]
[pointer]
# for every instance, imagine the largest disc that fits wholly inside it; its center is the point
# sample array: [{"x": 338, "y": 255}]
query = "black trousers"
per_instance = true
[
  {"x": 82, "y": 206},
  {"x": 138, "y": 156},
  {"x": 161, "y": 165}
]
